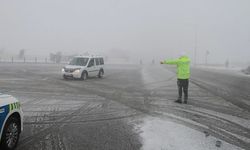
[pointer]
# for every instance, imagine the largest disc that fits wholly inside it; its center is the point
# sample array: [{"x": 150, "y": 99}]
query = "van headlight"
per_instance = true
[
  {"x": 63, "y": 69},
  {"x": 77, "y": 71}
]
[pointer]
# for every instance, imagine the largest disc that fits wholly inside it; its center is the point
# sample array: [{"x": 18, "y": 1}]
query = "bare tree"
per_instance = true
[
  {"x": 52, "y": 57},
  {"x": 56, "y": 57},
  {"x": 21, "y": 54},
  {"x": 2, "y": 51},
  {"x": 227, "y": 63}
]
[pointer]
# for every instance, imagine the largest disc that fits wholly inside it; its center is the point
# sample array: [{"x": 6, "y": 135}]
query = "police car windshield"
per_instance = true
[{"x": 77, "y": 61}]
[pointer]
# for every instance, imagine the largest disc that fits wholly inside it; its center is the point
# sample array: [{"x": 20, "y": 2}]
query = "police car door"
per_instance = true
[
  {"x": 4, "y": 110},
  {"x": 91, "y": 67}
]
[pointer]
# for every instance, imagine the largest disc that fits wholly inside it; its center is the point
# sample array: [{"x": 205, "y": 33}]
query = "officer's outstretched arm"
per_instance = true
[{"x": 171, "y": 62}]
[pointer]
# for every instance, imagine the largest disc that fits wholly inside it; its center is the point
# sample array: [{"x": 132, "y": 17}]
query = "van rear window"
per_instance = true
[
  {"x": 101, "y": 61},
  {"x": 97, "y": 61}
]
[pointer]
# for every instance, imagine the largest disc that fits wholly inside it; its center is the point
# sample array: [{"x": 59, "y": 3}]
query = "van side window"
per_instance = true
[
  {"x": 97, "y": 61},
  {"x": 91, "y": 63},
  {"x": 83, "y": 61},
  {"x": 101, "y": 61}
]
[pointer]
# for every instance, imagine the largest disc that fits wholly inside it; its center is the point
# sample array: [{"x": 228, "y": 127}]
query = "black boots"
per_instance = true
[
  {"x": 185, "y": 100},
  {"x": 179, "y": 100}
]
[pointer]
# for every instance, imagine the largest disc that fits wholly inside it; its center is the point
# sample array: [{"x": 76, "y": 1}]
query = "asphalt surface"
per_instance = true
[{"x": 105, "y": 113}]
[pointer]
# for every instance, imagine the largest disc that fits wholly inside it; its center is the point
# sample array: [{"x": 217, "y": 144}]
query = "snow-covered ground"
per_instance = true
[
  {"x": 160, "y": 134},
  {"x": 132, "y": 107},
  {"x": 230, "y": 70}
]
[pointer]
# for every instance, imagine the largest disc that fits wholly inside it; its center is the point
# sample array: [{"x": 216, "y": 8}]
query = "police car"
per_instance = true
[
  {"x": 11, "y": 122},
  {"x": 82, "y": 67}
]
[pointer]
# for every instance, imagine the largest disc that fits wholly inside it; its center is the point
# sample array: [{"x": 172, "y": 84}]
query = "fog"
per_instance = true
[{"x": 141, "y": 29}]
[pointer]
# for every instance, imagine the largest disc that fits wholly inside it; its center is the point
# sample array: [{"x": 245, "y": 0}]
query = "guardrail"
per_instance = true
[{"x": 33, "y": 60}]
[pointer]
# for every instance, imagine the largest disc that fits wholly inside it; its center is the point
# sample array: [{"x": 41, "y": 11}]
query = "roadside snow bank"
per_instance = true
[
  {"x": 229, "y": 70},
  {"x": 159, "y": 134}
]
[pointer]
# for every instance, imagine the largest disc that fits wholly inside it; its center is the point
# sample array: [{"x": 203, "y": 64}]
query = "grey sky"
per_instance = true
[{"x": 146, "y": 28}]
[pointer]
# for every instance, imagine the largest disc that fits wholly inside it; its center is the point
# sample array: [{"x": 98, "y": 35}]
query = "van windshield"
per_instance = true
[{"x": 77, "y": 61}]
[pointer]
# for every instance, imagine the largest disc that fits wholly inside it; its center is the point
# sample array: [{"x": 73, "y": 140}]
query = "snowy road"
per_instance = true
[{"x": 130, "y": 108}]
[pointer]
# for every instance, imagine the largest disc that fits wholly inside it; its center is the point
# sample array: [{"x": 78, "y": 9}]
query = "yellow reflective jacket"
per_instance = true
[{"x": 183, "y": 66}]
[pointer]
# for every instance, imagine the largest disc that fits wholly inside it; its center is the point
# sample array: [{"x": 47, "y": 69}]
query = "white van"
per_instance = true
[{"x": 82, "y": 67}]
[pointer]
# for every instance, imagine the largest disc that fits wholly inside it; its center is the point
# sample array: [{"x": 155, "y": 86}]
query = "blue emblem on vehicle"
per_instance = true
[{"x": 4, "y": 110}]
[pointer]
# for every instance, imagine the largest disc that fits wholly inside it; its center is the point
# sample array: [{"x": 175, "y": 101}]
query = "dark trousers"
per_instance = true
[{"x": 183, "y": 86}]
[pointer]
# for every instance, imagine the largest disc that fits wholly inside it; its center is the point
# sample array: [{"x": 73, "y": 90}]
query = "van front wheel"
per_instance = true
[{"x": 84, "y": 75}]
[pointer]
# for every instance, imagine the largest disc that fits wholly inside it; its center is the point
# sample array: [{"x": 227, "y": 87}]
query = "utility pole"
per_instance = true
[
  {"x": 195, "y": 46},
  {"x": 206, "y": 55}
]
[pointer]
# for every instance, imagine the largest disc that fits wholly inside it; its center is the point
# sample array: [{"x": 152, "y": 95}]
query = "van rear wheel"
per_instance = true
[{"x": 100, "y": 74}]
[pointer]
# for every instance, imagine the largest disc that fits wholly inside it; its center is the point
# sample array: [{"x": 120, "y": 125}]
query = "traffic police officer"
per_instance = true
[{"x": 183, "y": 75}]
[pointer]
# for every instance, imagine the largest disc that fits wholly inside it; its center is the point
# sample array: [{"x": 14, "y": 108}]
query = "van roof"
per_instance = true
[{"x": 88, "y": 56}]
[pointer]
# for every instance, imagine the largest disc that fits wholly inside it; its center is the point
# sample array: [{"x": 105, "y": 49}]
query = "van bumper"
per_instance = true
[{"x": 72, "y": 75}]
